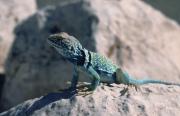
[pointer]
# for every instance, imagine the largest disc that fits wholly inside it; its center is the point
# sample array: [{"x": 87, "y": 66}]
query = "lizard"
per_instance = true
[{"x": 100, "y": 68}]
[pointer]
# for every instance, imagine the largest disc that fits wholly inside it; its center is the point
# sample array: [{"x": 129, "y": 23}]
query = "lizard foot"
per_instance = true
[
  {"x": 127, "y": 88},
  {"x": 135, "y": 86},
  {"x": 80, "y": 85},
  {"x": 70, "y": 89},
  {"x": 84, "y": 90},
  {"x": 124, "y": 91},
  {"x": 84, "y": 93}
]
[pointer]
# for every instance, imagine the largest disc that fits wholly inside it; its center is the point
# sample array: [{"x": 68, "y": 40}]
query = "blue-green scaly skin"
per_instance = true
[
  {"x": 99, "y": 67},
  {"x": 104, "y": 67},
  {"x": 130, "y": 80}
]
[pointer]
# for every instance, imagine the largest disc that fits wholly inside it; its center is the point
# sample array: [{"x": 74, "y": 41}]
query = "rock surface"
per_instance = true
[
  {"x": 131, "y": 33},
  {"x": 150, "y": 100},
  {"x": 45, "y": 3},
  {"x": 12, "y": 13}
]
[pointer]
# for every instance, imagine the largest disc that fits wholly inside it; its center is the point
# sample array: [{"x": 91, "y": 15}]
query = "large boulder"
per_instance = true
[
  {"x": 105, "y": 101},
  {"x": 44, "y": 3},
  {"x": 131, "y": 33},
  {"x": 12, "y": 13}
]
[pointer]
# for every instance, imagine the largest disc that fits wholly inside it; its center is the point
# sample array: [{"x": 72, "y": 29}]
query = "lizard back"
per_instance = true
[{"x": 104, "y": 67}]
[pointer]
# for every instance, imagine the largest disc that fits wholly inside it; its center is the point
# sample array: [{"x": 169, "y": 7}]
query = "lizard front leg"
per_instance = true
[
  {"x": 95, "y": 78},
  {"x": 95, "y": 82},
  {"x": 74, "y": 80}
]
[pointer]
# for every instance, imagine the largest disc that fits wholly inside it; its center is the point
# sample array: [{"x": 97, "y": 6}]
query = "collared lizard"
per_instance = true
[{"x": 97, "y": 66}]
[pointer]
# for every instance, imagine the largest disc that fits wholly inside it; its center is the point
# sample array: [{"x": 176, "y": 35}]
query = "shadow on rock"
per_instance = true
[
  {"x": 2, "y": 80},
  {"x": 50, "y": 98}
]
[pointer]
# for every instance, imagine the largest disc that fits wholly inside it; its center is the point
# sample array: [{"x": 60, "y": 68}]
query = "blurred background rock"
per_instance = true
[
  {"x": 170, "y": 8},
  {"x": 141, "y": 36},
  {"x": 12, "y": 12}
]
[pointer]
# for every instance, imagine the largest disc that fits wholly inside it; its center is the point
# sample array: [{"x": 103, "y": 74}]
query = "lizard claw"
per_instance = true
[
  {"x": 134, "y": 85},
  {"x": 84, "y": 90},
  {"x": 124, "y": 91},
  {"x": 84, "y": 93},
  {"x": 127, "y": 88}
]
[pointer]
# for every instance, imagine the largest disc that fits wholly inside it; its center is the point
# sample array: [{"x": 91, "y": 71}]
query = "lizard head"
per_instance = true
[{"x": 67, "y": 45}]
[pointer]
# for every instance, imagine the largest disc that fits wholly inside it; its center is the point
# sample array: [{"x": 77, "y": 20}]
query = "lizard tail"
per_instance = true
[
  {"x": 146, "y": 81},
  {"x": 124, "y": 77}
]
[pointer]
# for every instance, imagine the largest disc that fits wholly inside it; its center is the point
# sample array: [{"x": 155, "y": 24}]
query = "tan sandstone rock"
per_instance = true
[
  {"x": 151, "y": 100},
  {"x": 131, "y": 33}
]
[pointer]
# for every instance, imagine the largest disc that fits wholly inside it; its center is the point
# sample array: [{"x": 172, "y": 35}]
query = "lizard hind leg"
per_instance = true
[
  {"x": 135, "y": 86},
  {"x": 124, "y": 78}
]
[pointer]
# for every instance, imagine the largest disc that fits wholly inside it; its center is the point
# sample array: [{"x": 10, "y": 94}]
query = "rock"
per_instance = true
[
  {"x": 45, "y": 3},
  {"x": 131, "y": 33},
  {"x": 110, "y": 101},
  {"x": 12, "y": 13}
]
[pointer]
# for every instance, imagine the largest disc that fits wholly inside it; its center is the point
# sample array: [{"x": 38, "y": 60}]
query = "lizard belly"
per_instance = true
[{"x": 104, "y": 76}]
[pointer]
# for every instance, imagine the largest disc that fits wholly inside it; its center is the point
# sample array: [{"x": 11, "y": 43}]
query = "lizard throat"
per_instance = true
[{"x": 81, "y": 60}]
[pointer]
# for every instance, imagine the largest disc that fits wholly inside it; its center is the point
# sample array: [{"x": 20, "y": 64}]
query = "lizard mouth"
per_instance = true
[
  {"x": 52, "y": 43},
  {"x": 49, "y": 42}
]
